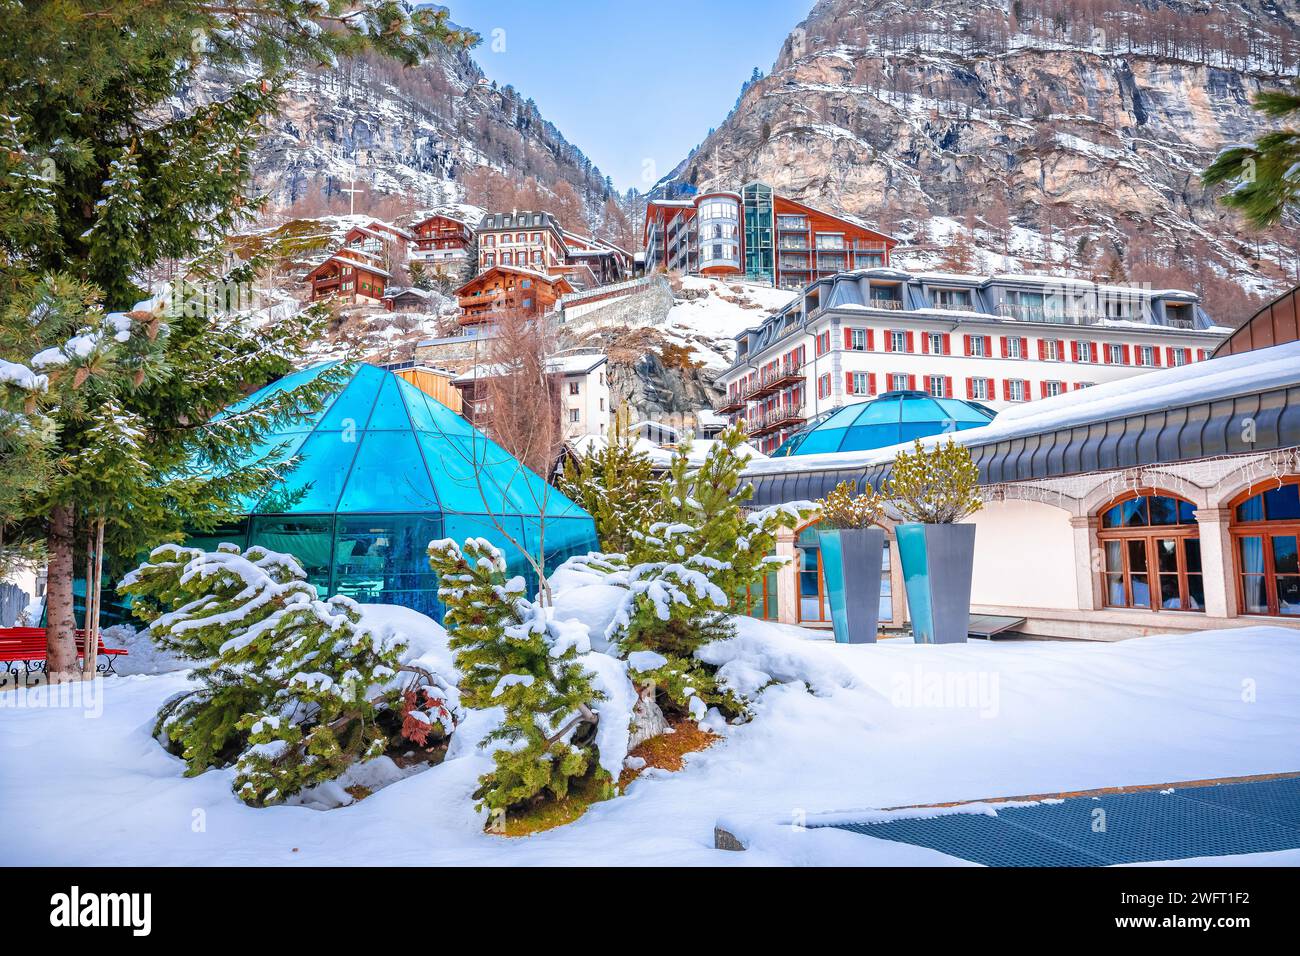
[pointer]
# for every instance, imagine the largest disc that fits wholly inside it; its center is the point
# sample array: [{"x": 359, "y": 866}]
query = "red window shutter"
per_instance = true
[
  {"x": 1092, "y": 352},
  {"x": 947, "y": 344},
  {"x": 848, "y": 383},
  {"x": 1006, "y": 389},
  {"x": 1074, "y": 351},
  {"x": 970, "y": 387},
  {"x": 911, "y": 381},
  {"x": 1169, "y": 357},
  {"x": 947, "y": 386},
  {"x": 1155, "y": 355},
  {"x": 871, "y": 340},
  {"x": 1024, "y": 348},
  {"x": 988, "y": 345},
  {"x": 889, "y": 340},
  {"x": 911, "y": 343},
  {"x": 1128, "y": 355},
  {"x": 1005, "y": 350},
  {"x": 966, "y": 338},
  {"x": 1042, "y": 350},
  {"x": 848, "y": 338},
  {"x": 925, "y": 343},
  {"x": 871, "y": 383}
]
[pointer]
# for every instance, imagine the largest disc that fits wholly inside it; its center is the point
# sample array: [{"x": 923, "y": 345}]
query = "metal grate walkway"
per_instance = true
[{"x": 1135, "y": 827}]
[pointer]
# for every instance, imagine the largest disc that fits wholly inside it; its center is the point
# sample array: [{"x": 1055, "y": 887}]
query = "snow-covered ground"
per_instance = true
[{"x": 888, "y": 725}]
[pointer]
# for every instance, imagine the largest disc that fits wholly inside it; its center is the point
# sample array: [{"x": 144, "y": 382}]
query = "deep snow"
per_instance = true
[{"x": 877, "y": 730}]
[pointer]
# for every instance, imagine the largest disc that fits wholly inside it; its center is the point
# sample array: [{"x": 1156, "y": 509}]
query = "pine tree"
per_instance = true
[
  {"x": 106, "y": 175},
  {"x": 514, "y": 654},
  {"x": 616, "y": 486},
  {"x": 293, "y": 690},
  {"x": 1267, "y": 173},
  {"x": 699, "y": 552}
]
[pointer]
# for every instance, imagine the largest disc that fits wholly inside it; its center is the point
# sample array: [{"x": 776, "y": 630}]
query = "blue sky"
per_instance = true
[{"x": 629, "y": 82}]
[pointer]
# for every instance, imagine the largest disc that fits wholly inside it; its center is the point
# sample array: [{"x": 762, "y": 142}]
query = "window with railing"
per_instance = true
[{"x": 951, "y": 298}]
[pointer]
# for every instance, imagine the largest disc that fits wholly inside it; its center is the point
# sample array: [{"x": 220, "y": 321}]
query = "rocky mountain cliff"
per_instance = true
[
  {"x": 1064, "y": 134},
  {"x": 412, "y": 137}
]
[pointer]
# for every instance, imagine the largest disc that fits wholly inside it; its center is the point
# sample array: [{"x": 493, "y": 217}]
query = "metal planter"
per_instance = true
[
  {"x": 851, "y": 562},
  {"x": 937, "y": 562}
]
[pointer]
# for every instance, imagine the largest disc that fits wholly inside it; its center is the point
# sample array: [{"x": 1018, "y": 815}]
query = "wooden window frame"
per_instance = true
[
  {"x": 1265, "y": 530},
  {"x": 1150, "y": 533}
]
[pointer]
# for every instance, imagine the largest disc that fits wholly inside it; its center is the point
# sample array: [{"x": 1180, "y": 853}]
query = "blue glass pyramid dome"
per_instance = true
[
  {"x": 891, "y": 419},
  {"x": 384, "y": 469}
]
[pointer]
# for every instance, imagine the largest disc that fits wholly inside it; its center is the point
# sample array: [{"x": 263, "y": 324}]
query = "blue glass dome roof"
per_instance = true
[
  {"x": 383, "y": 470},
  {"x": 891, "y": 419}
]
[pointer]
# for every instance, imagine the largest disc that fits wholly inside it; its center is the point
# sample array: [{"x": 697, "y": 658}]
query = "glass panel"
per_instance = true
[
  {"x": 307, "y": 539},
  {"x": 352, "y": 408},
  {"x": 1162, "y": 510},
  {"x": 236, "y": 533},
  {"x": 1134, "y": 513},
  {"x": 1186, "y": 512},
  {"x": 315, "y": 485},
  {"x": 383, "y": 560},
  {"x": 390, "y": 410},
  {"x": 1282, "y": 504},
  {"x": 870, "y": 436},
  {"x": 1195, "y": 592},
  {"x": 1115, "y": 590},
  {"x": 1256, "y": 599},
  {"x": 1288, "y": 595},
  {"x": 1284, "y": 554},
  {"x": 1170, "y": 597},
  {"x": 822, "y": 440},
  {"x": 1113, "y": 518},
  {"x": 886, "y": 609},
  {"x": 1137, "y": 555},
  {"x": 1115, "y": 556},
  {"x": 1252, "y": 555},
  {"x": 1141, "y": 593},
  {"x": 1192, "y": 555},
  {"x": 1252, "y": 509},
  {"x": 561, "y": 538},
  {"x": 1167, "y": 555},
  {"x": 388, "y": 475}
]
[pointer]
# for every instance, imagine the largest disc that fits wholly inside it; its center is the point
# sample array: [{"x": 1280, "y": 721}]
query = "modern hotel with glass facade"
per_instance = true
[{"x": 758, "y": 234}]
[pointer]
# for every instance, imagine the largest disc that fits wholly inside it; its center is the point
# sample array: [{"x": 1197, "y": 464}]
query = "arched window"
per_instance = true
[
  {"x": 1151, "y": 553},
  {"x": 1265, "y": 527}
]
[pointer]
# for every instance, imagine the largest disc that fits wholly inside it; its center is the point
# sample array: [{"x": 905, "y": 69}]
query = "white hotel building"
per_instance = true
[{"x": 998, "y": 340}]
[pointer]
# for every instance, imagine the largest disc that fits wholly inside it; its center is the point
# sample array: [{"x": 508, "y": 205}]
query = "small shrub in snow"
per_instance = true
[
  {"x": 293, "y": 690},
  {"x": 514, "y": 654},
  {"x": 685, "y": 569},
  {"x": 939, "y": 486}
]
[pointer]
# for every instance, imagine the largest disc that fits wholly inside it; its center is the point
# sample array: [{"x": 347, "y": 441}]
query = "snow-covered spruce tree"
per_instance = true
[
  {"x": 293, "y": 690},
  {"x": 687, "y": 568},
  {"x": 109, "y": 171},
  {"x": 935, "y": 486},
  {"x": 514, "y": 654},
  {"x": 616, "y": 486}
]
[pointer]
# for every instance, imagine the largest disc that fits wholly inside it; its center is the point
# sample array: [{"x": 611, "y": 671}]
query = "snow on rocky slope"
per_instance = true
[{"x": 1065, "y": 131}]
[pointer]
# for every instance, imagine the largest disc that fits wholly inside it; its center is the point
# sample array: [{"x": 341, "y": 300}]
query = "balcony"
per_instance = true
[
  {"x": 732, "y": 403},
  {"x": 773, "y": 380},
  {"x": 1030, "y": 313},
  {"x": 880, "y": 302},
  {"x": 783, "y": 416}
]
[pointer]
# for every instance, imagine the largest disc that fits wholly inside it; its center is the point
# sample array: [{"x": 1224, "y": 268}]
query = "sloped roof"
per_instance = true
[{"x": 382, "y": 446}]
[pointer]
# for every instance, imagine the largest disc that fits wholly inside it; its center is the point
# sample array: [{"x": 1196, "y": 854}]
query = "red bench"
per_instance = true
[{"x": 25, "y": 647}]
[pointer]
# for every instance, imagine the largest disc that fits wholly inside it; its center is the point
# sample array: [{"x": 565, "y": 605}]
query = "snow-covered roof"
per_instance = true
[
  {"x": 1155, "y": 391},
  {"x": 559, "y": 364}
]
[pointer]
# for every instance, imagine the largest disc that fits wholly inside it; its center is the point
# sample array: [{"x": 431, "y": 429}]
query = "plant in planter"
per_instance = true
[
  {"x": 932, "y": 491},
  {"x": 852, "y": 545}
]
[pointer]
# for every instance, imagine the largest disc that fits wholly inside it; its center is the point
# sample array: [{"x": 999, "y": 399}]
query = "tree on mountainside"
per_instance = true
[{"x": 105, "y": 175}]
